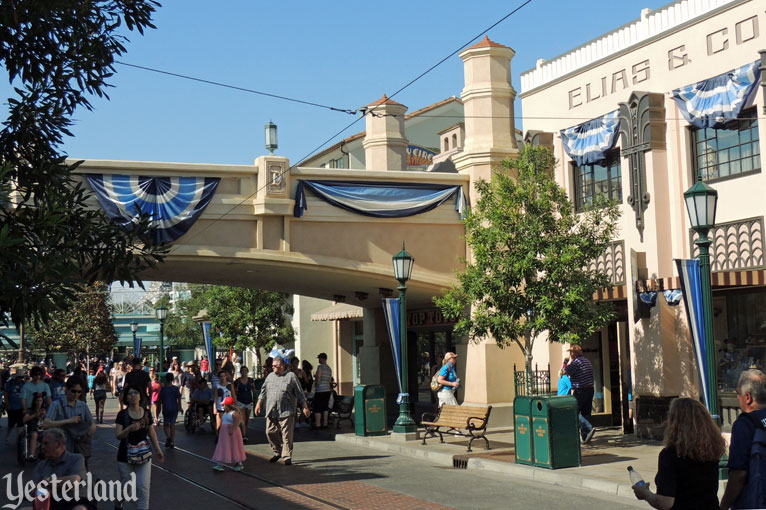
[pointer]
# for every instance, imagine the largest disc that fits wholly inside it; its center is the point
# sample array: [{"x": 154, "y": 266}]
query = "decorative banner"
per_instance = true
[
  {"x": 589, "y": 142},
  {"x": 419, "y": 156},
  {"x": 380, "y": 199},
  {"x": 648, "y": 298},
  {"x": 715, "y": 101},
  {"x": 673, "y": 297},
  {"x": 209, "y": 347},
  {"x": 281, "y": 352},
  {"x": 172, "y": 203},
  {"x": 691, "y": 287},
  {"x": 137, "y": 347},
  {"x": 393, "y": 325}
]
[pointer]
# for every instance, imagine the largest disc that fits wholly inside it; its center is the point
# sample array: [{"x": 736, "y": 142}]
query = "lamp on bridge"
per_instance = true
[
  {"x": 271, "y": 137},
  {"x": 134, "y": 328},
  {"x": 161, "y": 313},
  {"x": 403, "y": 263},
  {"x": 701, "y": 202}
]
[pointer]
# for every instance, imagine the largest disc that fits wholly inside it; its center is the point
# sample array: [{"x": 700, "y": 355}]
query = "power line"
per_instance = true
[
  {"x": 364, "y": 112},
  {"x": 241, "y": 89}
]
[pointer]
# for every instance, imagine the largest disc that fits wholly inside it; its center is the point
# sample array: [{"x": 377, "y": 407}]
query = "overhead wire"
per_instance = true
[{"x": 365, "y": 112}]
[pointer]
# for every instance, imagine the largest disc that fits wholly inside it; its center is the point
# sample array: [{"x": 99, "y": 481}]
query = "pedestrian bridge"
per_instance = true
[{"x": 249, "y": 234}]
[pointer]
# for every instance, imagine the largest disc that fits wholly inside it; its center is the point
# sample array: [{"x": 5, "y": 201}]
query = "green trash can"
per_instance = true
[
  {"x": 522, "y": 417},
  {"x": 370, "y": 409},
  {"x": 555, "y": 431}
]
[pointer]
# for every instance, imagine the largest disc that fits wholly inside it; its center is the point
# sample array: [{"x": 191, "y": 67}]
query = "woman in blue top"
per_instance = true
[
  {"x": 449, "y": 380},
  {"x": 565, "y": 385}
]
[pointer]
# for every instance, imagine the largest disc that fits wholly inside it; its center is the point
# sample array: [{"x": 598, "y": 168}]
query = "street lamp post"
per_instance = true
[
  {"x": 161, "y": 313},
  {"x": 403, "y": 263},
  {"x": 701, "y": 201},
  {"x": 134, "y": 328}
]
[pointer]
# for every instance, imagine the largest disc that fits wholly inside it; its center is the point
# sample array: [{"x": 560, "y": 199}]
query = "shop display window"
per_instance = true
[
  {"x": 727, "y": 152},
  {"x": 599, "y": 180},
  {"x": 739, "y": 320}
]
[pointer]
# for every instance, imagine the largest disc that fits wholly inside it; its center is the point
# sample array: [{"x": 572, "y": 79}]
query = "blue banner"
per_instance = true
[
  {"x": 172, "y": 203},
  {"x": 137, "y": 347},
  {"x": 209, "y": 347},
  {"x": 393, "y": 325},
  {"x": 691, "y": 287},
  {"x": 380, "y": 199},
  {"x": 717, "y": 100}
]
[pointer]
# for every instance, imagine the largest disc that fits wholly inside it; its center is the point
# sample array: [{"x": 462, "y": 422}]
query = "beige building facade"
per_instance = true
[{"x": 646, "y": 355}]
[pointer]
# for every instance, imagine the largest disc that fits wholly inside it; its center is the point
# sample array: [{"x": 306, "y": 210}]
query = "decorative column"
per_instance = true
[{"x": 385, "y": 147}]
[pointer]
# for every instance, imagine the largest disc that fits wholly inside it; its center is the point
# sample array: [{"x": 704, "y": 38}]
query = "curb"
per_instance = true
[{"x": 516, "y": 470}]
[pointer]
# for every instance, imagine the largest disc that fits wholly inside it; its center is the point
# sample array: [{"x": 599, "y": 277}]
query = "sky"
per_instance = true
[{"x": 343, "y": 54}]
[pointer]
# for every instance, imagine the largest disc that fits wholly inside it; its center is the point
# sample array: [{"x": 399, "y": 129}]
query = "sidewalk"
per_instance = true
[{"x": 604, "y": 461}]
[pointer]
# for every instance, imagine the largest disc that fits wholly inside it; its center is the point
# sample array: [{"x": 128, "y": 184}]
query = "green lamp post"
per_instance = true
[
  {"x": 133, "y": 329},
  {"x": 161, "y": 313},
  {"x": 701, "y": 201},
  {"x": 403, "y": 263}
]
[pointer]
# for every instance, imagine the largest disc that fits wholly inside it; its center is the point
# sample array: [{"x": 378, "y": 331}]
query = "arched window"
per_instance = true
[
  {"x": 446, "y": 144},
  {"x": 454, "y": 141}
]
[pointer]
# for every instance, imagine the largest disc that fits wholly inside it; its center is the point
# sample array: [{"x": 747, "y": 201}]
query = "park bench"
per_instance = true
[
  {"x": 341, "y": 410},
  {"x": 472, "y": 420}
]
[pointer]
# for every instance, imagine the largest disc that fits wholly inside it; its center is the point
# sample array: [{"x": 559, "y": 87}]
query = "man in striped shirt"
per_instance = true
[
  {"x": 281, "y": 391},
  {"x": 580, "y": 372}
]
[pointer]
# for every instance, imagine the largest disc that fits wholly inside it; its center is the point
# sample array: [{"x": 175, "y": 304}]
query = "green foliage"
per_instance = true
[
  {"x": 530, "y": 271},
  {"x": 57, "y": 53},
  {"x": 85, "y": 326},
  {"x": 249, "y": 317},
  {"x": 181, "y": 330}
]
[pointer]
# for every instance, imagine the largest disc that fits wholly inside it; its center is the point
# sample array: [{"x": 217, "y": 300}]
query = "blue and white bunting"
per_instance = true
[
  {"x": 673, "y": 297},
  {"x": 172, "y": 203},
  {"x": 379, "y": 199},
  {"x": 717, "y": 100},
  {"x": 691, "y": 288},
  {"x": 589, "y": 142},
  {"x": 209, "y": 347}
]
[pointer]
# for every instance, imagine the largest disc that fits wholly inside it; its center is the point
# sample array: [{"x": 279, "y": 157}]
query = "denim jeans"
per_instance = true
[{"x": 143, "y": 481}]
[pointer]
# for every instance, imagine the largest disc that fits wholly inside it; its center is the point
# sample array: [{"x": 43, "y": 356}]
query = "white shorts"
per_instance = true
[
  {"x": 446, "y": 397},
  {"x": 244, "y": 406}
]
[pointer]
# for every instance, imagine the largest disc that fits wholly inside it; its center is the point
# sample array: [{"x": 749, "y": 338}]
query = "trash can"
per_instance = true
[
  {"x": 522, "y": 417},
  {"x": 555, "y": 431},
  {"x": 370, "y": 409}
]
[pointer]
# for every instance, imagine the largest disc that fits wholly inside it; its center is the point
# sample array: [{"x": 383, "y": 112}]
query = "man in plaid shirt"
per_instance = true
[{"x": 281, "y": 391}]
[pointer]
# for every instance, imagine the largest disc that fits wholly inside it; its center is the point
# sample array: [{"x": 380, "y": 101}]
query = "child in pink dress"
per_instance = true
[{"x": 230, "y": 448}]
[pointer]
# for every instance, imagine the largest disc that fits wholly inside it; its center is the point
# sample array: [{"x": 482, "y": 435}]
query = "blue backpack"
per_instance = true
[{"x": 753, "y": 495}]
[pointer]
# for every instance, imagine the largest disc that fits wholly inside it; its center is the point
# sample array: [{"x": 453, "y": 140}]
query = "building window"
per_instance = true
[
  {"x": 599, "y": 180},
  {"x": 337, "y": 163},
  {"x": 727, "y": 152}
]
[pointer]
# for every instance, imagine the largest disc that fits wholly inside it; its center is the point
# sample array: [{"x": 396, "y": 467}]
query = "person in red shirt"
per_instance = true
[{"x": 204, "y": 366}]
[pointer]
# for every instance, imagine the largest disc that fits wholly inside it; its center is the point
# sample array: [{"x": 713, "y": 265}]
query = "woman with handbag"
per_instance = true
[{"x": 134, "y": 428}]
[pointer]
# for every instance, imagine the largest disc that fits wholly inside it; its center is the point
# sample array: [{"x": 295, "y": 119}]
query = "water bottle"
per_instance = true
[{"x": 635, "y": 477}]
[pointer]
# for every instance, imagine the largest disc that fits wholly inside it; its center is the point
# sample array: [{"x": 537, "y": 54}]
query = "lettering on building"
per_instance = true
[{"x": 618, "y": 80}]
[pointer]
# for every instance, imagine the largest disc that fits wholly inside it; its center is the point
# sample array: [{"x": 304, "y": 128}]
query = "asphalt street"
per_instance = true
[{"x": 325, "y": 474}]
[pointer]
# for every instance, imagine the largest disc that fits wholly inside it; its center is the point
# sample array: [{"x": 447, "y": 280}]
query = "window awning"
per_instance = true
[
  {"x": 173, "y": 203},
  {"x": 589, "y": 142},
  {"x": 337, "y": 312},
  {"x": 380, "y": 199},
  {"x": 717, "y": 100}
]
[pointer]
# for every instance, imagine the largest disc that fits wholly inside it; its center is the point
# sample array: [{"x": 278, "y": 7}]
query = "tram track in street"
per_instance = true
[{"x": 217, "y": 493}]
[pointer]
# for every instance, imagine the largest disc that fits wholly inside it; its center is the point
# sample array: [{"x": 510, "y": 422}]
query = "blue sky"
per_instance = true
[{"x": 340, "y": 53}]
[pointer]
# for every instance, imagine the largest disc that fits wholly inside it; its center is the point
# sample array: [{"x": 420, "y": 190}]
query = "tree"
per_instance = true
[
  {"x": 85, "y": 326},
  {"x": 249, "y": 317},
  {"x": 181, "y": 329},
  {"x": 531, "y": 269},
  {"x": 58, "y": 53}
]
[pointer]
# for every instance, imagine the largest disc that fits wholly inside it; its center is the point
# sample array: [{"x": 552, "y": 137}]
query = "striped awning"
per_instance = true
[
  {"x": 717, "y": 100},
  {"x": 589, "y": 142},
  {"x": 337, "y": 312}
]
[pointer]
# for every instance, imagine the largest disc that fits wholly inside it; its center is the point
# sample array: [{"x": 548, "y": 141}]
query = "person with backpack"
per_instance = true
[
  {"x": 448, "y": 380},
  {"x": 746, "y": 487}
]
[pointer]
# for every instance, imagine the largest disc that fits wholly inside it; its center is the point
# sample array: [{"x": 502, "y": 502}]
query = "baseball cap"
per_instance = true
[{"x": 228, "y": 401}]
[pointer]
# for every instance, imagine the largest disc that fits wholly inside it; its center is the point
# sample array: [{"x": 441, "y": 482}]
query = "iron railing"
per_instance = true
[{"x": 539, "y": 382}]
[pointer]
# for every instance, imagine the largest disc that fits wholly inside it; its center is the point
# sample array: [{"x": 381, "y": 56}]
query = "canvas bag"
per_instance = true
[
  {"x": 753, "y": 495},
  {"x": 435, "y": 386},
  {"x": 140, "y": 453}
]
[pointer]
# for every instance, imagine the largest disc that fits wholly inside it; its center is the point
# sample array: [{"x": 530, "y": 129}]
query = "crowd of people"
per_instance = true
[{"x": 49, "y": 409}]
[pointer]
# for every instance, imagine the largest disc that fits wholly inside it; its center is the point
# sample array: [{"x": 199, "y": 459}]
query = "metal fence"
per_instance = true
[{"x": 538, "y": 384}]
